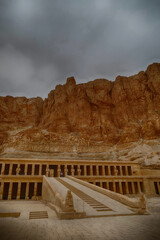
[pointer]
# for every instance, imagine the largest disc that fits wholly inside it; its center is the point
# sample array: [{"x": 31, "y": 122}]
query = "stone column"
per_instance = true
[
  {"x": 107, "y": 185},
  {"x": 131, "y": 170},
  {"x": 101, "y": 184},
  {"x": 79, "y": 170},
  {"x": 65, "y": 170},
  {"x": 91, "y": 170},
  {"x": 121, "y": 173},
  {"x": 120, "y": 187},
  {"x": 51, "y": 173},
  {"x": 19, "y": 190},
  {"x": 72, "y": 170},
  {"x": 139, "y": 187},
  {"x": 85, "y": 170},
  {"x": 40, "y": 169},
  {"x": 97, "y": 170},
  {"x": 126, "y": 170},
  {"x": 27, "y": 191},
  {"x": 114, "y": 171},
  {"x": 127, "y": 190},
  {"x": 35, "y": 191},
  {"x": 18, "y": 169},
  {"x": 133, "y": 188},
  {"x": 3, "y": 167},
  {"x": 1, "y": 190},
  {"x": 25, "y": 169},
  {"x": 114, "y": 186},
  {"x": 109, "y": 170},
  {"x": 47, "y": 170},
  {"x": 10, "y": 191},
  {"x": 103, "y": 170},
  {"x": 58, "y": 171},
  {"x": 33, "y": 168},
  {"x": 10, "y": 168}
]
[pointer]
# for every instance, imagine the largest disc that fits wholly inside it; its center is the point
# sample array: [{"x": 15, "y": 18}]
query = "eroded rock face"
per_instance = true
[{"x": 96, "y": 113}]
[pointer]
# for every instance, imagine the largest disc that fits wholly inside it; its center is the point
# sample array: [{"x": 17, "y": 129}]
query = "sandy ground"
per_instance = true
[{"x": 140, "y": 227}]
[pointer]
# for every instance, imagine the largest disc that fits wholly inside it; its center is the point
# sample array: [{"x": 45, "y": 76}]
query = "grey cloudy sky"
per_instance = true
[{"x": 42, "y": 42}]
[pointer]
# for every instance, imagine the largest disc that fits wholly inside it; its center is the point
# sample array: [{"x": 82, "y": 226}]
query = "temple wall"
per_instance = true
[{"x": 22, "y": 178}]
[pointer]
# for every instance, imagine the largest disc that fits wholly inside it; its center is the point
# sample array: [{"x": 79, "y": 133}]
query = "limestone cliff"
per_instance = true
[
  {"x": 121, "y": 111},
  {"x": 92, "y": 115}
]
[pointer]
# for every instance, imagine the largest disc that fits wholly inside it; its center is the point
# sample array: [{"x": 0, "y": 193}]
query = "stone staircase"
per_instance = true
[
  {"x": 86, "y": 200},
  {"x": 98, "y": 206},
  {"x": 38, "y": 215}
]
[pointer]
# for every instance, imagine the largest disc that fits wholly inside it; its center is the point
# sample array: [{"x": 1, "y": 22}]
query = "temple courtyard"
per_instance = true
[{"x": 50, "y": 227}]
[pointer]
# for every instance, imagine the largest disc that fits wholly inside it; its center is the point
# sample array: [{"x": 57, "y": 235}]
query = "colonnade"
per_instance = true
[
  {"x": 20, "y": 190},
  {"x": 57, "y": 170},
  {"x": 23, "y": 179},
  {"x": 122, "y": 187}
]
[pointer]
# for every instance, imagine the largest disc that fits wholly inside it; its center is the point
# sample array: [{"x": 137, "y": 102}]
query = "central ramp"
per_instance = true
[
  {"x": 95, "y": 204},
  {"x": 85, "y": 197}
]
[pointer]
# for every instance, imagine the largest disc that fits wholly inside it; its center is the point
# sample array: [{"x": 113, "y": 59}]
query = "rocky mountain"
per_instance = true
[{"x": 88, "y": 117}]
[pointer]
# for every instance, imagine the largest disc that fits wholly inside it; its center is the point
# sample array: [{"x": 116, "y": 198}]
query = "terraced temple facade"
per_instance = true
[{"x": 23, "y": 178}]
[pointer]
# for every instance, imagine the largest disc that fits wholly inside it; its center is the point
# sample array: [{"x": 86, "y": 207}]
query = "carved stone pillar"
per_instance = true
[
  {"x": 1, "y": 190},
  {"x": 27, "y": 191},
  {"x": 126, "y": 168},
  {"x": 59, "y": 171},
  {"x": 3, "y": 167},
  {"x": 97, "y": 170},
  {"x": 35, "y": 191},
  {"x": 101, "y": 184},
  {"x": 85, "y": 170},
  {"x": 120, "y": 187},
  {"x": 10, "y": 169},
  {"x": 107, "y": 185},
  {"x": 72, "y": 170},
  {"x": 18, "y": 169},
  {"x": 65, "y": 170},
  {"x": 114, "y": 171},
  {"x": 127, "y": 190},
  {"x": 114, "y": 186},
  {"x": 47, "y": 170},
  {"x": 103, "y": 170},
  {"x": 139, "y": 187},
  {"x": 25, "y": 169},
  {"x": 120, "y": 168},
  {"x": 109, "y": 170},
  {"x": 19, "y": 190},
  {"x": 40, "y": 169},
  {"x": 10, "y": 191},
  {"x": 79, "y": 170},
  {"x": 91, "y": 170},
  {"x": 133, "y": 188},
  {"x": 51, "y": 173},
  {"x": 33, "y": 168}
]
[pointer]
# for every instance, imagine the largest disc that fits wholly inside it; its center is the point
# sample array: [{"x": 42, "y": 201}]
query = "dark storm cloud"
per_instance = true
[{"x": 43, "y": 42}]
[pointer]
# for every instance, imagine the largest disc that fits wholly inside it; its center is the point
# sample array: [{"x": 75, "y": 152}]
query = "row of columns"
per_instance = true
[
  {"x": 35, "y": 189},
  {"x": 111, "y": 170},
  {"x": 120, "y": 186},
  {"x": 18, "y": 191}
]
